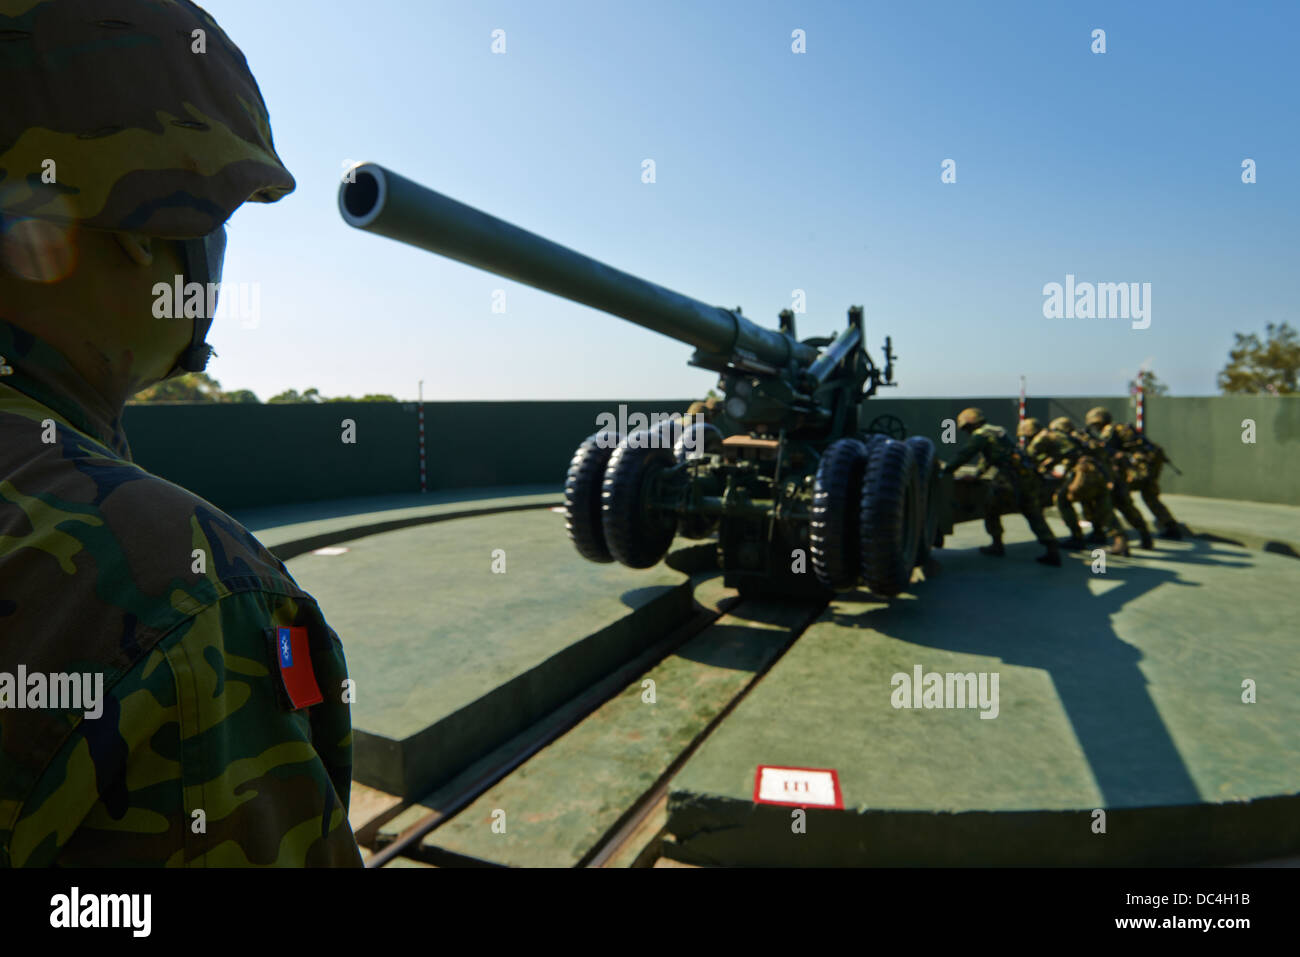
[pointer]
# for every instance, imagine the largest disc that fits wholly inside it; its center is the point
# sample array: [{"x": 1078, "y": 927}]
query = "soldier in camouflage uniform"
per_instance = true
[
  {"x": 1015, "y": 481},
  {"x": 223, "y": 735},
  {"x": 1114, "y": 474},
  {"x": 1140, "y": 460},
  {"x": 1073, "y": 477},
  {"x": 708, "y": 408}
]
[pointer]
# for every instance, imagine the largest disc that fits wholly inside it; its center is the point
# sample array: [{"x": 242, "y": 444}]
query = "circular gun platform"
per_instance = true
[{"x": 1145, "y": 714}]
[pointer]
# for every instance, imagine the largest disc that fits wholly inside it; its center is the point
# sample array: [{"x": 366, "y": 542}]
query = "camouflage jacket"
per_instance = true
[
  {"x": 193, "y": 753},
  {"x": 999, "y": 452},
  {"x": 1095, "y": 449},
  {"x": 1135, "y": 456},
  {"x": 1050, "y": 448},
  {"x": 1126, "y": 439}
]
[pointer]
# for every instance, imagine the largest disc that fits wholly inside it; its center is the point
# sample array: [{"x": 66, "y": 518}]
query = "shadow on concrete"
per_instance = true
[
  {"x": 1268, "y": 545},
  {"x": 1060, "y": 621},
  {"x": 274, "y": 516},
  {"x": 640, "y": 597}
]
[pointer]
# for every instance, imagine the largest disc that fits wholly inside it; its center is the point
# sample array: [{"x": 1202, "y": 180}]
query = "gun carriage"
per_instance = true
[{"x": 802, "y": 500}]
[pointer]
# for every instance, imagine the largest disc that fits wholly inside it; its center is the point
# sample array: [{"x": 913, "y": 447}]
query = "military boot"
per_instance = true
[
  {"x": 994, "y": 550},
  {"x": 1172, "y": 531},
  {"x": 1119, "y": 546},
  {"x": 1096, "y": 537},
  {"x": 1074, "y": 543},
  {"x": 1052, "y": 556},
  {"x": 1147, "y": 542}
]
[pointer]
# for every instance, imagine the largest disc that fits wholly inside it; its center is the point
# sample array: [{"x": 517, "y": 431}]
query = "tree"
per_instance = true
[
  {"x": 1269, "y": 367},
  {"x": 313, "y": 395},
  {"x": 191, "y": 387},
  {"x": 241, "y": 395},
  {"x": 1150, "y": 384},
  {"x": 292, "y": 395}
]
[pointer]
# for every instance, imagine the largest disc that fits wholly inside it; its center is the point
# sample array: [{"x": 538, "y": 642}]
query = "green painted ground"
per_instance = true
[
  {"x": 1119, "y": 691},
  {"x": 1254, "y": 524},
  {"x": 560, "y": 803},
  {"x": 1116, "y": 691},
  {"x": 442, "y": 647},
  {"x": 280, "y": 527}
]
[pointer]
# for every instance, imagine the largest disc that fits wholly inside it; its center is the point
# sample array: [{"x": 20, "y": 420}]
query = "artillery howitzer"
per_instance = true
[{"x": 802, "y": 500}]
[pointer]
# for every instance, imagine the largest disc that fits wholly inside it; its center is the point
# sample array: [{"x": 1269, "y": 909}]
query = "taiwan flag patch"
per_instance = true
[{"x": 293, "y": 657}]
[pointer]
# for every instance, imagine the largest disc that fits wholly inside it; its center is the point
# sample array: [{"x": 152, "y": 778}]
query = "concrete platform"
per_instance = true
[
  {"x": 451, "y": 659},
  {"x": 1118, "y": 692},
  {"x": 559, "y": 805},
  {"x": 291, "y": 530},
  {"x": 1256, "y": 525}
]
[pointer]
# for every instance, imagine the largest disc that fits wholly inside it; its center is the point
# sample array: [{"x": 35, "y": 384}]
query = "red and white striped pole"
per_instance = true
[
  {"x": 420, "y": 416},
  {"x": 1141, "y": 401},
  {"x": 1022, "y": 409}
]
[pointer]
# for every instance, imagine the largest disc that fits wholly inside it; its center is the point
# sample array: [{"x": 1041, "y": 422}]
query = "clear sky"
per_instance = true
[{"x": 775, "y": 171}]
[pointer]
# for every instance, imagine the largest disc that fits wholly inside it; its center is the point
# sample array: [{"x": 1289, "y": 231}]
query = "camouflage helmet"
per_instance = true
[
  {"x": 973, "y": 418},
  {"x": 142, "y": 119},
  {"x": 705, "y": 407},
  {"x": 1097, "y": 416},
  {"x": 1028, "y": 428},
  {"x": 1062, "y": 424}
]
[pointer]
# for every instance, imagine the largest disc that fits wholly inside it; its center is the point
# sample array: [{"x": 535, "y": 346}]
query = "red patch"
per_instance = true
[{"x": 294, "y": 660}]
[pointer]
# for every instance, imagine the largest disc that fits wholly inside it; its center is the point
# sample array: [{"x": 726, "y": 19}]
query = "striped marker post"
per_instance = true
[
  {"x": 1141, "y": 401},
  {"x": 420, "y": 418},
  {"x": 1022, "y": 410}
]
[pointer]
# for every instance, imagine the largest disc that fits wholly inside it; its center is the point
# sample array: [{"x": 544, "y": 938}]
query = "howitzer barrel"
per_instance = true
[{"x": 380, "y": 201}]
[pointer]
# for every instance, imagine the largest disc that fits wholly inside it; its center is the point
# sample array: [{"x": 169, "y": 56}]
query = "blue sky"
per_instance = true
[{"x": 775, "y": 171}]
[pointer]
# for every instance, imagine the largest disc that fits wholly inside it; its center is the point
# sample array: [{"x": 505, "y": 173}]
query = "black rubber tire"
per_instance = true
[
  {"x": 889, "y": 524},
  {"x": 872, "y": 439},
  {"x": 833, "y": 535},
  {"x": 635, "y": 537},
  {"x": 582, "y": 497},
  {"x": 927, "y": 476}
]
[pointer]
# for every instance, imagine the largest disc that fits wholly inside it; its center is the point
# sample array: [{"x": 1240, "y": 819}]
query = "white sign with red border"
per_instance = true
[{"x": 797, "y": 787}]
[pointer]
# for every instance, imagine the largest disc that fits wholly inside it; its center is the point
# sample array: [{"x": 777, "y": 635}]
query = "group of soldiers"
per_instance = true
[{"x": 1099, "y": 468}]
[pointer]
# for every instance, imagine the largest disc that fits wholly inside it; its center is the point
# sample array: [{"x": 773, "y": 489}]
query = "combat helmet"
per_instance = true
[
  {"x": 1028, "y": 428},
  {"x": 706, "y": 407},
  {"x": 1064, "y": 424},
  {"x": 1097, "y": 416},
  {"x": 149, "y": 122},
  {"x": 970, "y": 419}
]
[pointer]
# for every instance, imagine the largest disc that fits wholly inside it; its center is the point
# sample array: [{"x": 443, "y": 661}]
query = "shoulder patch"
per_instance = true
[{"x": 291, "y": 653}]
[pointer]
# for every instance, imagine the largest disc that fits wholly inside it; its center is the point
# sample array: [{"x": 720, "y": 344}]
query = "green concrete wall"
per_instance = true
[
  {"x": 1201, "y": 434},
  {"x": 244, "y": 456},
  {"x": 1204, "y": 438}
]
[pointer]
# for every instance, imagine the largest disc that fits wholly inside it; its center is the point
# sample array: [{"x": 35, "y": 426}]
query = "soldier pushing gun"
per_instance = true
[
  {"x": 1138, "y": 462},
  {"x": 1071, "y": 476},
  {"x": 1015, "y": 483}
]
